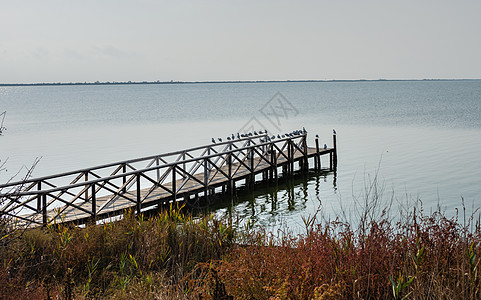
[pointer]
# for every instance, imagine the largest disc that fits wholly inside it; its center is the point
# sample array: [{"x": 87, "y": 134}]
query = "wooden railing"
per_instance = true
[{"x": 107, "y": 189}]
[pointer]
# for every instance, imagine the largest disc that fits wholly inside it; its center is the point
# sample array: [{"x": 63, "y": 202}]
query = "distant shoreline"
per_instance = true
[{"x": 231, "y": 81}]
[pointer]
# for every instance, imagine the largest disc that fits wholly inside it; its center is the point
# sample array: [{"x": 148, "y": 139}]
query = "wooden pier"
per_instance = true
[{"x": 104, "y": 191}]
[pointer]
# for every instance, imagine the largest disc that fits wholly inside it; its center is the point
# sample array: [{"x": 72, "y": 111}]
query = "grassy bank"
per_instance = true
[{"x": 173, "y": 256}]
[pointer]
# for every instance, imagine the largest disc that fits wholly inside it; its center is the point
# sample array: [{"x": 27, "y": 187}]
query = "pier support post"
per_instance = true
[{"x": 317, "y": 158}]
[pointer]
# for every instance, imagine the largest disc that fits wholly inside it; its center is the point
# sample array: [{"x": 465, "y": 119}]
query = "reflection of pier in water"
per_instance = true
[
  {"x": 192, "y": 175},
  {"x": 268, "y": 197},
  {"x": 2, "y": 128}
]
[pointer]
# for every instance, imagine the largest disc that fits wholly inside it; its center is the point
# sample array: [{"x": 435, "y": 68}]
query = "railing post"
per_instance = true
[
  {"x": 44, "y": 209},
  {"x": 288, "y": 156},
  {"x": 124, "y": 179},
  {"x": 304, "y": 147},
  {"x": 94, "y": 203},
  {"x": 139, "y": 204},
  {"x": 334, "y": 142},
  {"x": 39, "y": 197},
  {"x": 317, "y": 158},
  {"x": 206, "y": 178},
  {"x": 86, "y": 190},
  {"x": 273, "y": 164},
  {"x": 250, "y": 160},
  {"x": 229, "y": 180},
  {"x": 293, "y": 156},
  {"x": 208, "y": 154},
  {"x": 330, "y": 160},
  {"x": 229, "y": 160},
  {"x": 174, "y": 183},
  {"x": 184, "y": 175}
]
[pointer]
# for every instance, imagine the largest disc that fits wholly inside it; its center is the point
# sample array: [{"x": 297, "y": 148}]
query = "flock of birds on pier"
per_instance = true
[{"x": 266, "y": 138}]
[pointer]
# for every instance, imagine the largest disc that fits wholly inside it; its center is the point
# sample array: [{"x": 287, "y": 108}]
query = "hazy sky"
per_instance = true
[{"x": 107, "y": 40}]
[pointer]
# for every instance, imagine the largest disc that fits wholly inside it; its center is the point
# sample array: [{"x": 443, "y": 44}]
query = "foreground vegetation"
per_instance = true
[{"x": 174, "y": 256}]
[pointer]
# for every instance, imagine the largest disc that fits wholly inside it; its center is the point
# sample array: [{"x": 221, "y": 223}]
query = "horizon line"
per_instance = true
[{"x": 226, "y": 81}]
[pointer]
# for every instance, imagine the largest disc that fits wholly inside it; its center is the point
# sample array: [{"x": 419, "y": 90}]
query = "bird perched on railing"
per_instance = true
[
  {"x": 317, "y": 136},
  {"x": 220, "y": 140},
  {"x": 334, "y": 131},
  {"x": 213, "y": 141},
  {"x": 325, "y": 146}
]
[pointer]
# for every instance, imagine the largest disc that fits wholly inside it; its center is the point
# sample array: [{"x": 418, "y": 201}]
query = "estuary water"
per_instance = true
[{"x": 420, "y": 139}]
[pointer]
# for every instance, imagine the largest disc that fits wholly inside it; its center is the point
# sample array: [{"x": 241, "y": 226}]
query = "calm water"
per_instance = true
[{"x": 423, "y": 137}]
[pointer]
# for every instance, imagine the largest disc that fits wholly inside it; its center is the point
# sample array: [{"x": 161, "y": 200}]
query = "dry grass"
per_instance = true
[{"x": 174, "y": 256}]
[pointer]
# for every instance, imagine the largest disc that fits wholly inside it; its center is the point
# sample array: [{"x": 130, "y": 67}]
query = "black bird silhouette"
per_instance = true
[
  {"x": 334, "y": 131},
  {"x": 213, "y": 141},
  {"x": 220, "y": 140}
]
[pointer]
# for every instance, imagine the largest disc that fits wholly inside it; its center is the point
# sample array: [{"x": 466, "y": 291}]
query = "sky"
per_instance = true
[{"x": 107, "y": 40}]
